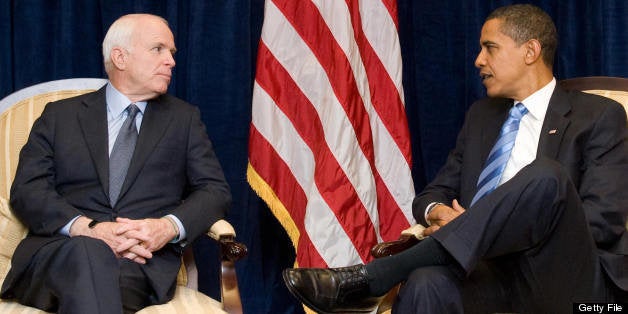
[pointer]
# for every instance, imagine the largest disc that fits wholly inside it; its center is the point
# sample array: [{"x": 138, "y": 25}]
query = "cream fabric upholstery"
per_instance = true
[
  {"x": 186, "y": 300},
  {"x": 617, "y": 95},
  {"x": 11, "y": 232},
  {"x": 18, "y": 111}
]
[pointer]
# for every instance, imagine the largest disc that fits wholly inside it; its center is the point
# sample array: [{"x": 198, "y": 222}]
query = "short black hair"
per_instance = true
[{"x": 523, "y": 22}]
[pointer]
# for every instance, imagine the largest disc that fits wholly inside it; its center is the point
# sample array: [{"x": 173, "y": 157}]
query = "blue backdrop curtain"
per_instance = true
[{"x": 43, "y": 40}]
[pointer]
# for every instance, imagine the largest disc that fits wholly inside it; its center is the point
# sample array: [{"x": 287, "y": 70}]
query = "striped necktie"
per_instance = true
[
  {"x": 499, "y": 155},
  {"x": 121, "y": 154}
]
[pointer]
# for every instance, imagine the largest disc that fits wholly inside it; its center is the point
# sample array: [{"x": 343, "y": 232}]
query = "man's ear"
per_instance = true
[
  {"x": 532, "y": 51},
  {"x": 119, "y": 57}
]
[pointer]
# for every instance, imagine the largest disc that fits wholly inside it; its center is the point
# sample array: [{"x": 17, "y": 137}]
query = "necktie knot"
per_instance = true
[
  {"x": 132, "y": 109},
  {"x": 518, "y": 111}
]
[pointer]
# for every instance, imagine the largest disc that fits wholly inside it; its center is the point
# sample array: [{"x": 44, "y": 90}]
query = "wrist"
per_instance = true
[
  {"x": 429, "y": 208},
  {"x": 80, "y": 226},
  {"x": 174, "y": 227}
]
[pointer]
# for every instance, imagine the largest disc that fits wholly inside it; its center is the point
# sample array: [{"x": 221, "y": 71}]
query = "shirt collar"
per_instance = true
[
  {"x": 538, "y": 102},
  {"x": 117, "y": 102}
]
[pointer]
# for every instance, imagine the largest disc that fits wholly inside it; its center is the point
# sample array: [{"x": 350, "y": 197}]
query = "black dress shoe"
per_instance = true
[{"x": 332, "y": 290}]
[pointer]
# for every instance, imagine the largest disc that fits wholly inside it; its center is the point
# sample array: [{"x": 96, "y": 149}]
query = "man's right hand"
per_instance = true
[
  {"x": 442, "y": 214},
  {"x": 106, "y": 231}
]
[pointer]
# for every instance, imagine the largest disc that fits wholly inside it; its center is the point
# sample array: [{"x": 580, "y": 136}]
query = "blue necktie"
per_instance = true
[
  {"x": 499, "y": 155},
  {"x": 121, "y": 154}
]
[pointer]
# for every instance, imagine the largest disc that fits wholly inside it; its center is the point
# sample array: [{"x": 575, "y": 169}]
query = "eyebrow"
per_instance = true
[
  {"x": 488, "y": 42},
  {"x": 163, "y": 45}
]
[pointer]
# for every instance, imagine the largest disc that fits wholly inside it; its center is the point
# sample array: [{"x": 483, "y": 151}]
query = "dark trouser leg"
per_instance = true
[
  {"x": 424, "y": 290},
  {"x": 532, "y": 227},
  {"x": 438, "y": 289},
  {"x": 82, "y": 275},
  {"x": 134, "y": 287}
]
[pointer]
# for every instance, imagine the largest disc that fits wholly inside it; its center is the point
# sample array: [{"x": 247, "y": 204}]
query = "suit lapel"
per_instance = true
[
  {"x": 157, "y": 117},
  {"x": 553, "y": 130},
  {"x": 93, "y": 122}
]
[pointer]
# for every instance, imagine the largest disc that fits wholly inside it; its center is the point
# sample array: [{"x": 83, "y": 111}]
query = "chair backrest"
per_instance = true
[
  {"x": 615, "y": 88},
  {"x": 19, "y": 110}
]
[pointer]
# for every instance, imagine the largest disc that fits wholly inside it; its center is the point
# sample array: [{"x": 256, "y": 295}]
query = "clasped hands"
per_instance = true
[
  {"x": 442, "y": 214},
  {"x": 129, "y": 238}
]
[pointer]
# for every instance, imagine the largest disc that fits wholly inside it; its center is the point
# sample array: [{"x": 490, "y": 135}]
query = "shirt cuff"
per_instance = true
[
  {"x": 182, "y": 233},
  {"x": 66, "y": 229}
]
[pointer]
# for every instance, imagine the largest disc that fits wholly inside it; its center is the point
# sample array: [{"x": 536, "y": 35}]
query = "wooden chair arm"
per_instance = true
[
  {"x": 393, "y": 247},
  {"x": 230, "y": 252},
  {"x": 407, "y": 239}
]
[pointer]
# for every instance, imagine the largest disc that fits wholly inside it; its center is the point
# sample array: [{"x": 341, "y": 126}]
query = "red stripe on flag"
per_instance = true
[
  {"x": 333, "y": 185},
  {"x": 278, "y": 175}
]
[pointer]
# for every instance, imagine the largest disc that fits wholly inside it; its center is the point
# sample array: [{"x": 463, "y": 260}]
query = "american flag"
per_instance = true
[{"x": 329, "y": 146}]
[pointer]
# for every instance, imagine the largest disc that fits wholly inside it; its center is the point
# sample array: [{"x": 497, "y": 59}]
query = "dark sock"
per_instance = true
[{"x": 384, "y": 273}]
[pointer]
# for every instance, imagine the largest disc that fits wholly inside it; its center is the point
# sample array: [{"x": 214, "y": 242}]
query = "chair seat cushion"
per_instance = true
[
  {"x": 185, "y": 301},
  {"x": 10, "y": 307}
]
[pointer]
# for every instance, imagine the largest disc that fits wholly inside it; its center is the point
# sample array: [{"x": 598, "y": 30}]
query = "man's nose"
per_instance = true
[
  {"x": 170, "y": 60},
  {"x": 479, "y": 60}
]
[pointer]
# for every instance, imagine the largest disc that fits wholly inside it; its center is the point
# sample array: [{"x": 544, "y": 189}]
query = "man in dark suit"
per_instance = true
[
  {"x": 527, "y": 215},
  {"x": 97, "y": 245}
]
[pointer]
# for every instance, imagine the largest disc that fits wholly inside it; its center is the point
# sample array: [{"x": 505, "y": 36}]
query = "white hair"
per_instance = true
[{"x": 120, "y": 34}]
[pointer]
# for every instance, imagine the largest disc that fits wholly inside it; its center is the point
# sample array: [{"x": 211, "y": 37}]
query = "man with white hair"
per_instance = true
[{"x": 113, "y": 184}]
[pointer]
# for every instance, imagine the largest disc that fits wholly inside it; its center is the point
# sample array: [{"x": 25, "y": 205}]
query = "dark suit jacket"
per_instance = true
[
  {"x": 63, "y": 172},
  {"x": 590, "y": 142}
]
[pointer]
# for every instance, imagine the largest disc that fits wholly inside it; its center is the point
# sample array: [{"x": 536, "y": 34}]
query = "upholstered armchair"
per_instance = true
[
  {"x": 615, "y": 88},
  {"x": 18, "y": 111}
]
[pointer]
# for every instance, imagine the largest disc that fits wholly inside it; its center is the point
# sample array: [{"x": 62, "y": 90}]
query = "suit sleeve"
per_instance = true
[
  {"x": 446, "y": 185},
  {"x": 209, "y": 197},
  {"x": 34, "y": 199}
]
